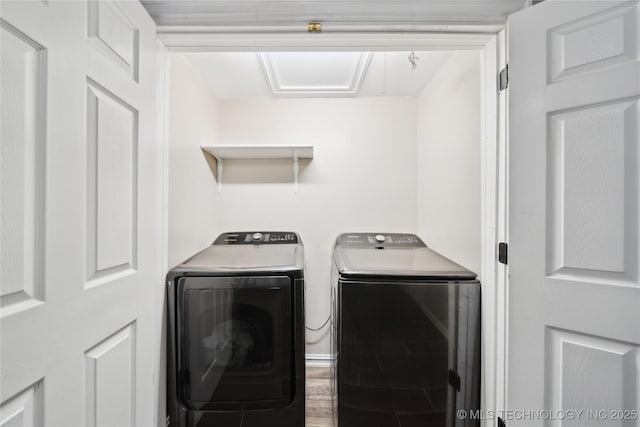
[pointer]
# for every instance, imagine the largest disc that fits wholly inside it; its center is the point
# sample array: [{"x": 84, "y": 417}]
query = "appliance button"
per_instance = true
[{"x": 380, "y": 238}]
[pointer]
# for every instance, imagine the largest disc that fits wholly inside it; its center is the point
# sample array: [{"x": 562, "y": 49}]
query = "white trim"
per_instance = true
[
  {"x": 494, "y": 214},
  {"x": 493, "y": 164},
  {"x": 162, "y": 138},
  {"x": 488, "y": 238},
  {"x": 502, "y": 274},
  {"x": 208, "y": 40},
  {"x": 319, "y": 360},
  {"x": 332, "y": 28},
  {"x": 292, "y": 13}
]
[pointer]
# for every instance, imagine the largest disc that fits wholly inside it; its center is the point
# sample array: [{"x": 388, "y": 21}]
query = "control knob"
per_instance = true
[
  {"x": 256, "y": 236},
  {"x": 380, "y": 238}
]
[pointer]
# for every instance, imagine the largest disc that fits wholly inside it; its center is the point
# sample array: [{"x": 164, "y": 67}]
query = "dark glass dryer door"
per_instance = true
[{"x": 235, "y": 341}]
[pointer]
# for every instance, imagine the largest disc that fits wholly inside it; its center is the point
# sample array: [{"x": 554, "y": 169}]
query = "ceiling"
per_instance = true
[
  {"x": 297, "y": 13},
  {"x": 212, "y": 32},
  {"x": 316, "y": 74}
]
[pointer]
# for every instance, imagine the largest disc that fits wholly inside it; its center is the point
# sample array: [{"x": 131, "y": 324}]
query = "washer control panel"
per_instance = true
[
  {"x": 257, "y": 238},
  {"x": 386, "y": 240}
]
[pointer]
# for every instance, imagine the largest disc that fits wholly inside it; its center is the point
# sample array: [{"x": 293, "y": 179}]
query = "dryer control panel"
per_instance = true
[
  {"x": 257, "y": 238},
  {"x": 387, "y": 240}
]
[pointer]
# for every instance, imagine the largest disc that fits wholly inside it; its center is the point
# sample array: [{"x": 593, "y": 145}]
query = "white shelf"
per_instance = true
[
  {"x": 224, "y": 152},
  {"x": 239, "y": 152}
]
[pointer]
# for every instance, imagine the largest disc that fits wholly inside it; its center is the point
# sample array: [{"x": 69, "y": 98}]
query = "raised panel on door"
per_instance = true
[
  {"x": 596, "y": 375},
  {"x": 23, "y": 79},
  {"x": 112, "y": 190},
  {"x": 574, "y": 291},
  {"x": 593, "y": 42},
  {"x": 111, "y": 31},
  {"x": 110, "y": 375},
  {"x": 25, "y": 409},
  {"x": 592, "y": 198}
]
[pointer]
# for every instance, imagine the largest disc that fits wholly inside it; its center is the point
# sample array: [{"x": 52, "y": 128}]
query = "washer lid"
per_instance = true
[
  {"x": 246, "y": 257},
  {"x": 411, "y": 260}
]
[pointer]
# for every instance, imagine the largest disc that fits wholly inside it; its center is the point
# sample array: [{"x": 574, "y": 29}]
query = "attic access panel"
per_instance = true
[{"x": 312, "y": 73}]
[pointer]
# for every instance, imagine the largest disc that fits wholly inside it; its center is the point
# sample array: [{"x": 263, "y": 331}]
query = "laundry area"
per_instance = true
[
  {"x": 381, "y": 157},
  {"x": 323, "y": 143}
]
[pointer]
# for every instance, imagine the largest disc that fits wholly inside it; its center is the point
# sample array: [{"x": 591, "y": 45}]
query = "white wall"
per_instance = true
[
  {"x": 362, "y": 178},
  {"x": 449, "y": 160},
  {"x": 193, "y": 121}
]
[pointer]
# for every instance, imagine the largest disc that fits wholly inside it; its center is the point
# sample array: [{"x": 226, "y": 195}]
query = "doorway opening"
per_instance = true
[{"x": 406, "y": 138}]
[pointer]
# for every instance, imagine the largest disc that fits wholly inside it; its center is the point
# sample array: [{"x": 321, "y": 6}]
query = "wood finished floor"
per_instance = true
[{"x": 318, "y": 405}]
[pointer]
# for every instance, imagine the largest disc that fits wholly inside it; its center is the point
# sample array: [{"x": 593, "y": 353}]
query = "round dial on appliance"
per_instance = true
[
  {"x": 380, "y": 238},
  {"x": 256, "y": 236}
]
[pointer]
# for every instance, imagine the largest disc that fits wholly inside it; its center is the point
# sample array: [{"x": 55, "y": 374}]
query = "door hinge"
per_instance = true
[
  {"x": 503, "y": 78},
  {"x": 501, "y": 422},
  {"x": 454, "y": 380},
  {"x": 503, "y": 253}
]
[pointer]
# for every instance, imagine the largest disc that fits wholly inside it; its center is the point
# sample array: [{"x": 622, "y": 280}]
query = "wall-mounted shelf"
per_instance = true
[{"x": 239, "y": 152}]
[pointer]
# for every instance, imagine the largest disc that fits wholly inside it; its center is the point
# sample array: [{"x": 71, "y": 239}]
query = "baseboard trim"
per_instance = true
[{"x": 319, "y": 360}]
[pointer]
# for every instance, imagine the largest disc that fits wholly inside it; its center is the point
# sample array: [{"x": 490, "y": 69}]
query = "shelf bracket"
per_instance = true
[
  {"x": 295, "y": 173},
  {"x": 220, "y": 168}
]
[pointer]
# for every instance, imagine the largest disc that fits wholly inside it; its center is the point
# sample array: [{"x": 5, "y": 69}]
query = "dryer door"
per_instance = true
[{"x": 234, "y": 342}]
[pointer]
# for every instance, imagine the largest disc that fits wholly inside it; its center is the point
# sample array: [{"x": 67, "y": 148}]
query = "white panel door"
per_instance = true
[
  {"x": 80, "y": 214},
  {"x": 574, "y": 288}
]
